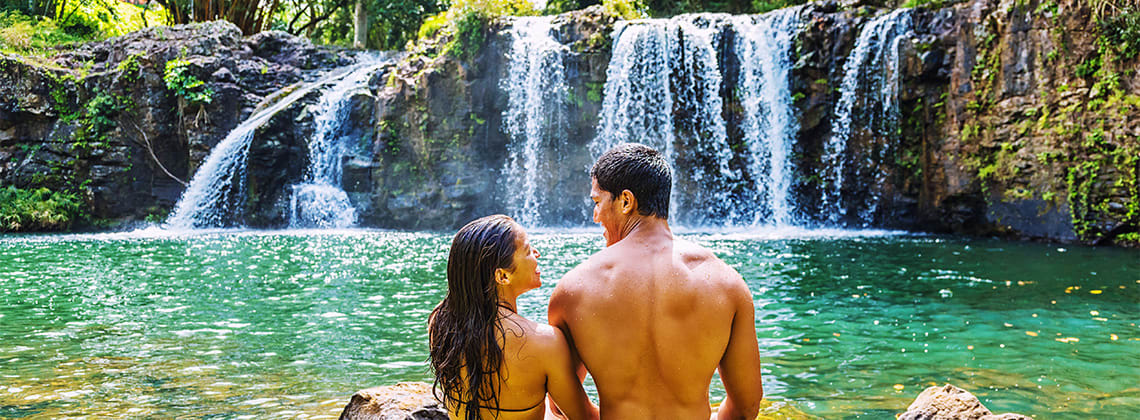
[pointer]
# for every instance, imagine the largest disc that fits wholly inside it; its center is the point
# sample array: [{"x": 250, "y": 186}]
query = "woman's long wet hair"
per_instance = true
[{"x": 464, "y": 330}]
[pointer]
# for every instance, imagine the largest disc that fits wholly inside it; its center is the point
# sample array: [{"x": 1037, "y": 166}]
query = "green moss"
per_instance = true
[{"x": 594, "y": 91}]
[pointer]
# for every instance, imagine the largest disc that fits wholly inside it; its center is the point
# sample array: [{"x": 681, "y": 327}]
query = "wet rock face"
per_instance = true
[
  {"x": 440, "y": 142},
  {"x": 53, "y": 119},
  {"x": 1000, "y": 132}
]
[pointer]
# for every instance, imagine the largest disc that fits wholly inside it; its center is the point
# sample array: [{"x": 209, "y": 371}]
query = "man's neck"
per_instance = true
[{"x": 645, "y": 228}]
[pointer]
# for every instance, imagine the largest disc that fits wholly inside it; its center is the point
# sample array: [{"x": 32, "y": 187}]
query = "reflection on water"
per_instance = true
[{"x": 290, "y": 324}]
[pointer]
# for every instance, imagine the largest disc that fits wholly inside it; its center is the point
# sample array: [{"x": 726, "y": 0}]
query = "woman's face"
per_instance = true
[{"x": 525, "y": 275}]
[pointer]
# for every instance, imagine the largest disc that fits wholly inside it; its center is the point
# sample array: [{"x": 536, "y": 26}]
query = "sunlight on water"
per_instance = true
[{"x": 234, "y": 323}]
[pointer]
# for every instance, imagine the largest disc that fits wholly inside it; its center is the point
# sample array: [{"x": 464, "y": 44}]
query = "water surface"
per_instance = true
[{"x": 290, "y": 324}]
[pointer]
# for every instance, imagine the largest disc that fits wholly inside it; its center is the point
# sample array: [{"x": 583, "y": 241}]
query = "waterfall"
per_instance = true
[
  {"x": 319, "y": 201},
  {"x": 535, "y": 115},
  {"x": 637, "y": 104},
  {"x": 661, "y": 68},
  {"x": 763, "y": 47},
  {"x": 870, "y": 75},
  {"x": 214, "y": 196}
]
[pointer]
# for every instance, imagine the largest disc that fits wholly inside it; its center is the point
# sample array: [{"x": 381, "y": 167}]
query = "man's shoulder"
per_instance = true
[
  {"x": 588, "y": 271},
  {"x": 694, "y": 255}
]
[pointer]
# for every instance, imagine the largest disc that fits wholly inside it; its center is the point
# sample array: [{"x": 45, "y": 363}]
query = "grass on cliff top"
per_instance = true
[{"x": 90, "y": 21}]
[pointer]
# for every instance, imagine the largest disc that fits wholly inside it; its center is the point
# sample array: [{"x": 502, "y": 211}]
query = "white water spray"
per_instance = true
[
  {"x": 213, "y": 198},
  {"x": 319, "y": 201},
  {"x": 872, "y": 70},
  {"x": 535, "y": 115}
]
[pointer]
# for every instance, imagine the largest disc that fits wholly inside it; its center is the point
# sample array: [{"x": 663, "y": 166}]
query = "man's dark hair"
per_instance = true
[{"x": 640, "y": 169}]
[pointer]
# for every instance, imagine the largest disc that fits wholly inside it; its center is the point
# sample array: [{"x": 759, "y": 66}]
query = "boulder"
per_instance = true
[
  {"x": 402, "y": 401},
  {"x": 951, "y": 403}
]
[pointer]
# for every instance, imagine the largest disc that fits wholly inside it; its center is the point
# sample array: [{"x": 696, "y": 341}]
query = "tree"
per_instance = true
[
  {"x": 360, "y": 26},
  {"x": 251, "y": 16}
]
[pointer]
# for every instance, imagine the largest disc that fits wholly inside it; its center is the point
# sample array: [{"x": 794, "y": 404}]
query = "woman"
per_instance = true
[{"x": 489, "y": 361}]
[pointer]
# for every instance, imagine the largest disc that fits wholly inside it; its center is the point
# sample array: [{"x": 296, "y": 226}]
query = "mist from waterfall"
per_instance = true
[
  {"x": 214, "y": 197},
  {"x": 868, "y": 101},
  {"x": 320, "y": 201},
  {"x": 535, "y": 115}
]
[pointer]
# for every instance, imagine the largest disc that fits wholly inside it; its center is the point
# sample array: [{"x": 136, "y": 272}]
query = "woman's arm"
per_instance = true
[{"x": 562, "y": 382}]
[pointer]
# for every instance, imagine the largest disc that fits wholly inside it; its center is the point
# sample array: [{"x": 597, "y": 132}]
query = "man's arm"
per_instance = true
[{"x": 740, "y": 365}]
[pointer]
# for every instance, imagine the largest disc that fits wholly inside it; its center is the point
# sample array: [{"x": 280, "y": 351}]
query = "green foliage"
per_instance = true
[
  {"x": 34, "y": 27},
  {"x": 467, "y": 23},
  {"x": 594, "y": 91},
  {"x": 932, "y": 4},
  {"x": 1122, "y": 30},
  {"x": 31, "y": 35},
  {"x": 100, "y": 112},
  {"x": 130, "y": 67},
  {"x": 40, "y": 209},
  {"x": 626, "y": 9},
  {"x": 1088, "y": 67},
  {"x": 470, "y": 34},
  {"x": 433, "y": 25},
  {"x": 185, "y": 85}
]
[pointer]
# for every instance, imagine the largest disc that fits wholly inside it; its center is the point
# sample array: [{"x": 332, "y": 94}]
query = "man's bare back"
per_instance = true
[{"x": 652, "y": 317}]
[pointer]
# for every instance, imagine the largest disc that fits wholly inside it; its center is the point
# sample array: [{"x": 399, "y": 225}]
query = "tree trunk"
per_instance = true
[{"x": 360, "y": 38}]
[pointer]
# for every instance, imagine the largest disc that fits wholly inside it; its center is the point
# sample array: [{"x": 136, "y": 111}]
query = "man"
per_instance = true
[{"x": 651, "y": 317}]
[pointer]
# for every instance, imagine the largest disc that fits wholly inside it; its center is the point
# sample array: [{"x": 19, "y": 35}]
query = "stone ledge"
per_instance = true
[{"x": 414, "y": 401}]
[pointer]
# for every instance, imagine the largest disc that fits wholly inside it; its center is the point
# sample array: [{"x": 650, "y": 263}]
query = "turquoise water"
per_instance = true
[{"x": 290, "y": 324}]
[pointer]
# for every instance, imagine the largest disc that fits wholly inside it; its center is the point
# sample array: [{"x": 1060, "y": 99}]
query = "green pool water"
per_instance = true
[{"x": 289, "y": 324}]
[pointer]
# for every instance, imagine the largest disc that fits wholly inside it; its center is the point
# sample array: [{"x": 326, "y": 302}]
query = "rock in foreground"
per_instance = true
[
  {"x": 403, "y": 401},
  {"x": 951, "y": 403}
]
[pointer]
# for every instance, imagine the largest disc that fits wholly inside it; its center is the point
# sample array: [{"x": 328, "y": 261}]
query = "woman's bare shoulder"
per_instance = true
[{"x": 549, "y": 338}]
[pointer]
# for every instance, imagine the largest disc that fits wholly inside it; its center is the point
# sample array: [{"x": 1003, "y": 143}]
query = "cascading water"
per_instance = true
[
  {"x": 319, "y": 201},
  {"x": 763, "y": 48},
  {"x": 661, "y": 68},
  {"x": 870, "y": 75},
  {"x": 637, "y": 104},
  {"x": 213, "y": 198},
  {"x": 534, "y": 119}
]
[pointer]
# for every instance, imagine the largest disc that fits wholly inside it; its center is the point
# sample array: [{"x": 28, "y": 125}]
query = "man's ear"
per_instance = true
[{"x": 627, "y": 202}]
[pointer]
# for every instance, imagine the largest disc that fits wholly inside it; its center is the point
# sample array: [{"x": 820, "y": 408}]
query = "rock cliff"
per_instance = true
[
  {"x": 1016, "y": 118},
  {"x": 101, "y": 120}
]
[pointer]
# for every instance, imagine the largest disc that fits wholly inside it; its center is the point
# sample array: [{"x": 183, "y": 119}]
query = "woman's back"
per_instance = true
[{"x": 522, "y": 393}]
